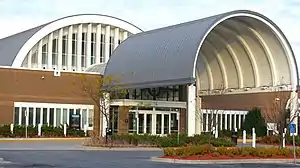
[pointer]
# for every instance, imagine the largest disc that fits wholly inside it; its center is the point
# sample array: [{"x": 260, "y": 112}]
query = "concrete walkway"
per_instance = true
[{"x": 227, "y": 161}]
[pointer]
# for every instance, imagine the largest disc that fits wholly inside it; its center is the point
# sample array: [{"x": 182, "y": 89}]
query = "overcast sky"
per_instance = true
[{"x": 18, "y": 15}]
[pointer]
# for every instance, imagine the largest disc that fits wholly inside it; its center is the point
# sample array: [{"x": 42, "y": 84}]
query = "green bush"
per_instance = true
[
  {"x": 47, "y": 131},
  {"x": 200, "y": 150},
  {"x": 255, "y": 120}
]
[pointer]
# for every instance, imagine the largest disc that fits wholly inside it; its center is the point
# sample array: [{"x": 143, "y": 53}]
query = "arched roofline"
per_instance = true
[
  {"x": 67, "y": 21},
  {"x": 276, "y": 30}
]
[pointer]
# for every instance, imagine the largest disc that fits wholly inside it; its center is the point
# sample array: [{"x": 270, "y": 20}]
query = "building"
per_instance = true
[
  {"x": 40, "y": 65},
  {"x": 231, "y": 62}
]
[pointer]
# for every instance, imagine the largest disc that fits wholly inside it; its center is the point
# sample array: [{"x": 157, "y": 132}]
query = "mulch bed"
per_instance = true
[{"x": 210, "y": 157}]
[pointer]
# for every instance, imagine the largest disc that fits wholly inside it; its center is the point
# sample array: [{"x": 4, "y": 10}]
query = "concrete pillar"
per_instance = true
[
  {"x": 79, "y": 44},
  {"x": 69, "y": 54},
  {"x": 59, "y": 49},
  {"x": 191, "y": 109},
  {"x": 98, "y": 43},
  {"x": 116, "y": 37},
  {"x": 107, "y": 44},
  {"x": 89, "y": 43},
  {"x": 50, "y": 38}
]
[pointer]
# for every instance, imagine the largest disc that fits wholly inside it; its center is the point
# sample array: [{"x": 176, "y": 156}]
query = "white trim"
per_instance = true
[
  {"x": 152, "y": 103},
  {"x": 68, "y": 21},
  {"x": 283, "y": 41}
]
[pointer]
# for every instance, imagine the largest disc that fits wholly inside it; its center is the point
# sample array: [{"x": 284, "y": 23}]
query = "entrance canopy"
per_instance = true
[{"x": 238, "y": 50}]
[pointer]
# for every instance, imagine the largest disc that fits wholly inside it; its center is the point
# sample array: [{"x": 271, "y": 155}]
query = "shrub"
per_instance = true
[
  {"x": 200, "y": 150},
  {"x": 255, "y": 120},
  {"x": 47, "y": 131}
]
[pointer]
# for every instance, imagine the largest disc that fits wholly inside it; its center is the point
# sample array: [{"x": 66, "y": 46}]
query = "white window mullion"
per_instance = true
[
  {"x": 20, "y": 115},
  {"x": 54, "y": 118},
  {"x": 29, "y": 59},
  {"x": 48, "y": 116},
  {"x": 34, "y": 116}
]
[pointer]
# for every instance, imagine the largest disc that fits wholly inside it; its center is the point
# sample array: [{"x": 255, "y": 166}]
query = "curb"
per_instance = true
[
  {"x": 121, "y": 149},
  {"x": 41, "y": 139},
  {"x": 247, "y": 140},
  {"x": 232, "y": 161}
]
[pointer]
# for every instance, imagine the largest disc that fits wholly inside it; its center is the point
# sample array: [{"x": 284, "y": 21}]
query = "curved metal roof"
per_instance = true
[
  {"x": 11, "y": 45},
  {"x": 164, "y": 56}
]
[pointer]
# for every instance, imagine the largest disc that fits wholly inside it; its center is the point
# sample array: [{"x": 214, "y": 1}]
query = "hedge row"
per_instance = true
[
  {"x": 32, "y": 132},
  {"x": 276, "y": 140},
  {"x": 203, "y": 150},
  {"x": 161, "y": 141}
]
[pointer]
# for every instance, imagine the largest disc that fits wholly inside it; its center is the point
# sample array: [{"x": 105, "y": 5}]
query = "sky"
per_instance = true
[{"x": 19, "y": 15}]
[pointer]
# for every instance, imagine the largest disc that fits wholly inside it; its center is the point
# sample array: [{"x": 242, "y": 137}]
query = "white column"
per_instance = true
[
  {"x": 162, "y": 123},
  {"x": 235, "y": 124},
  {"x": 226, "y": 121},
  {"x": 69, "y": 55},
  {"x": 54, "y": 119},
  {"x": 107, "y": 43},
  {"x": 29, "y": 60},
  {"x": 153, "y": 124},
  {"x": 48, "y": 116},
  {"x": 206, "y": 118},
  {"x": 191, "y": 109},
  {"x": 217, "y": 122},
  {"x": 34, "y": 116},
  {"x": 221, "y": 121},
  {"x": 50, "y": 51},
  {"x": 240, "y": 120},
  {"x": 59, "y": 49},
  {"x": 125, "y": 35},
  {"x": 88, "y": 50},
  {"x": 145, "y": 123},
  {"x": 98, "y": 43},
  {"x": 116, "y": 37},
  {"x": 230, "y": 121},
  {"x": 39, "y": 54},
  {"x": 198, "y": 121},
  {"x": 294, "y": 110},
  {"x": 79, "y": 43}
]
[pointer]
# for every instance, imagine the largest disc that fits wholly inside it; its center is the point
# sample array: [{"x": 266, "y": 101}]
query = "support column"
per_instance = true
[
  {"x": 191, "y": 109},
  {"x": 89, "y": 43},
  {"x": 79, "y": 44},
  {"x": 98, "y": 43},
  {"x": 294, "y": 110},
  {"x": 125, "y": 35},
  {"x": 221, "y": 121},
  {"x": 226, "y": 122},
  {"x": 59, "y": 49},
  {"x": 29, "y": 59},
  {"x": 39, "y": 54},
  {"x": 153, "y": 126},
  {"x": 116, "y": 37},
  {"x": 69, "y": 59},
  {"x": 230, "y": 121},
  {"x": 50, "y": 38},
  {"x": 198, "y": 121},
  {"x": 235, "y": 124},
  {"x": 107, "y": 44}
]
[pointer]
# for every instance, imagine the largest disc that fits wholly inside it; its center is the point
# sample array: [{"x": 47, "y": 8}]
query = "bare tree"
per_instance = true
[
  {"x": 280, "y": 113},
  {"x": 212, "y": 113},
  {"x": 102, "y": 91}
]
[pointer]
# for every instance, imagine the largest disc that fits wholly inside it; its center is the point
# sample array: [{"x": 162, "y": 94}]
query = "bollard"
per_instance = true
[
  {"x": 253, "y": 138},
  {"x": 39, "y": 129},
  {"x": 65, "y": 129},
  {"x": 85, "y": 129},
  {"x": 12, "y": 128},
  {"x": 244, "y": 136}
]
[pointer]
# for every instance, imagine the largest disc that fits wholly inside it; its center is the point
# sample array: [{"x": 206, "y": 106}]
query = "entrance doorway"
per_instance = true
[{"x": 153, "y": 122}]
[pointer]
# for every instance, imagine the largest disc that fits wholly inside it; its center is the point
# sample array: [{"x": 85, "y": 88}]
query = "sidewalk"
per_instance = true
[{"x": 41, "y": 139}]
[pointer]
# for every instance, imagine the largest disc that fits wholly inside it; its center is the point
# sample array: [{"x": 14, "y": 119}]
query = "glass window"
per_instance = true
[
  {"x": 166, "y": 123},
  {"x": 84, "y": 118},
  {"x": 91, "y": 117},
  {"x": 17, "y": 115},
  {"x": 131, "y": 122},
  {"x": 58, "y": 117},
  {"x": 30, "y": 115},
  {"x": 232, "y": 122},
  {"x": 204, "y": 122},
  {"x": 45, "y": 116},
  {"x": 44, "y": 54},
  {"x": 158, "y": 123},
  {"x": 64, "y": 50},
  {"x": 37, "y": 116},
  {"x": 149, "y": 123},
  {"x": 23, "y": 120},
  {"x": 174, "y": 123},
  {"x": 77, "y": 111},
  {"x": 65, "y": 116}
]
